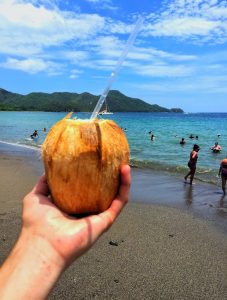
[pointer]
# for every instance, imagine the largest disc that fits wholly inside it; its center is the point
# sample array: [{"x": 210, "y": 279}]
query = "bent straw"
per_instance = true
[{"x": 121, "y": 59}]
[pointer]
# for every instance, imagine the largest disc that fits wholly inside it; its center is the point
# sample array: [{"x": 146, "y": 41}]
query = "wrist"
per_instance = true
[
  {"x": 32, "y": 268},
  {"x": 39, "y": 247},
  {"x": 40, "y": 252}
]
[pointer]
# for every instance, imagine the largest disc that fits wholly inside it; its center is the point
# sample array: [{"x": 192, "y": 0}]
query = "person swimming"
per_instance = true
[
  {"x": 34, "y": 135},
  {"x": 182, "y": 142}
]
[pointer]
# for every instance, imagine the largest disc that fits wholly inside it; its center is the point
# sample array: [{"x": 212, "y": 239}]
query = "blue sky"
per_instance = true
[{"x": 179, "y": 58}]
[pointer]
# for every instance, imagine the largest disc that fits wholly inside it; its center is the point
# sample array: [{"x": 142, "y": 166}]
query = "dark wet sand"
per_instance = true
[
  {"x": 171, "y": 238},
  {"x": 200, "y": 199}
]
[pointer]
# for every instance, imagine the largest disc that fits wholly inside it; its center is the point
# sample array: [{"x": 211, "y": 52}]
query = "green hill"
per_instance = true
[{"x": 85, "y": 102}]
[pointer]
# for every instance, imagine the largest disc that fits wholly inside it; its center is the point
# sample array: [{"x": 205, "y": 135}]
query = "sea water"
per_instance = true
[{"x": 164, "y": 153}]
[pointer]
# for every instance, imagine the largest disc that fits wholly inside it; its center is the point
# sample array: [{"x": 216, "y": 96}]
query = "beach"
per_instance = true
[{"x": 169, "y": 242}]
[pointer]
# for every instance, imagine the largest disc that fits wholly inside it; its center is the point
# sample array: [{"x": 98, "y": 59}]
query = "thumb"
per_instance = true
[{"x": 41, "y": 186}]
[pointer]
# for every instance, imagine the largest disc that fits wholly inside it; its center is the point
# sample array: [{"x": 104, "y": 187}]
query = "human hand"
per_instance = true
[
  {"x": 68, "y": 237},
  {"x": 50, "y": 240}
]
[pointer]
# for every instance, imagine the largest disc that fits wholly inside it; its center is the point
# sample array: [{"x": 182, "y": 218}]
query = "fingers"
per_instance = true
[
  {"x": 125, "y": 183},
  {"x": 104, "y": 220},
  {"x": 41, "y": 186},
  {"x": 122, "y": 198}
]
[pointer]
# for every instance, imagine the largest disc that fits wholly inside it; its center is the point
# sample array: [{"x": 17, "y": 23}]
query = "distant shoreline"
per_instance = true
[{"x": 89, "y": 112}]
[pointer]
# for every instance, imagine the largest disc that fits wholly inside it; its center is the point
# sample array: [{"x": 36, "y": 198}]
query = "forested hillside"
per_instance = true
[{"x": 85, "y": 102}]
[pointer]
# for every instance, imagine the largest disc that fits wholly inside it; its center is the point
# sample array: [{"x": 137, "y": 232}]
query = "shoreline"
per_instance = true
[
  {"x": 203, "y": 200},
  {"x": 164, "y": 250}
]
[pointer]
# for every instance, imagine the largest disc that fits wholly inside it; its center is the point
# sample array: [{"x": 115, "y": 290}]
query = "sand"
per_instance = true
[{"x": 170, "y": 241}]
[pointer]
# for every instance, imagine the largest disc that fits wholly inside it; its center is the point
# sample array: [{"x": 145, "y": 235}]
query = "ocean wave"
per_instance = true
[
  {"x": 203, "y": 174},
  {"x": 206, "y": 175},
  {"x": 27, "y": 146}
]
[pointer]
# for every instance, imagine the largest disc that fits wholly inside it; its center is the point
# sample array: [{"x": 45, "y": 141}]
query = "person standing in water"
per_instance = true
[
  {"x": 223, "y": 173},
  {"x": 152, "y": 137},
  {"x": 216, "y": 148},
  {"x": 192, "y": 163}
]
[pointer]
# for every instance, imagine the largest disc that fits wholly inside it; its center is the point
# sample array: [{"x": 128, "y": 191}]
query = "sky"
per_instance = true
[{"x": 179, "y": 58}]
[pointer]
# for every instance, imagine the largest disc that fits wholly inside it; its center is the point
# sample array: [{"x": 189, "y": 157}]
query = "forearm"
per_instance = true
[
  {"x": 219, "y": 172},
  {"x": 31, "y": 269}
]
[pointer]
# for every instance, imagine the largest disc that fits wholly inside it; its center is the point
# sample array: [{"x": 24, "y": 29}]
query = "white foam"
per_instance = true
[{"x": 22, "y": 145}]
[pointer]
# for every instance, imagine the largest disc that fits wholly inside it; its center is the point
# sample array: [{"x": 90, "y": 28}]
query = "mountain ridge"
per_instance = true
[{"x": 83, "y": 102}]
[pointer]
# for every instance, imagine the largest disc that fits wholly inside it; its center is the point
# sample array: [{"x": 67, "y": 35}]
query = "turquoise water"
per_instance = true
[{"x": 164, "y": 153}]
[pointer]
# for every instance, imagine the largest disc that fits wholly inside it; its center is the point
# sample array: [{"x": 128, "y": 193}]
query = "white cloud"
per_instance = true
[
  {"x": 204, "y": 84},
  {"x": 73, "y": 55},
  {"x": 73, "y": 76},
  {"x": 183, "y": 27},
  {"x": 105, "y": 46},
  {"x": 31, "y": 66},
  {"x": 104, "y": 4},
  {"x": 95, "y": 1},
  {"x": 112, "y": 47},
  {"x": 199, "y": 20},
  {"x": 36, "y": 34},
  {"x": 152, "y": 54},
  {"x": 115, "y": 26},
  {"x": 75, "y": 73},
  {"x": 24, "y": 26},
  {"x": 146, "y": 61},
  {"x": 163, "y": 70}
]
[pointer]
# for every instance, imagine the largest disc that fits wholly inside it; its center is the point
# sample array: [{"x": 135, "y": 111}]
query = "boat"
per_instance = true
[{"x": 106, "y": 111}]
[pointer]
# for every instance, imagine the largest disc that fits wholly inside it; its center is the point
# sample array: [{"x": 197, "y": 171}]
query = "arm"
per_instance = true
[
  {"x": 219, "y": 172},
  {"x": 50, "y": 241},
  {"x": 194, "y": 154}
]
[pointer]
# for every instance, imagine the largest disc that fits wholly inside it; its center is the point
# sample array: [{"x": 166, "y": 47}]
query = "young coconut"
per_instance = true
[{"x": 82, "y": 160}]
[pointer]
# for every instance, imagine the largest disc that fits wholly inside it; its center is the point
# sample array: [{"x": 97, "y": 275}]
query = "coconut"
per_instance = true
[{"x": 82, "y": 160}]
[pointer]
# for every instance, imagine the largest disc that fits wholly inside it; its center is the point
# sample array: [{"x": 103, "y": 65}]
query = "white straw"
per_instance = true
[{"x": 121, "y": 59}]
